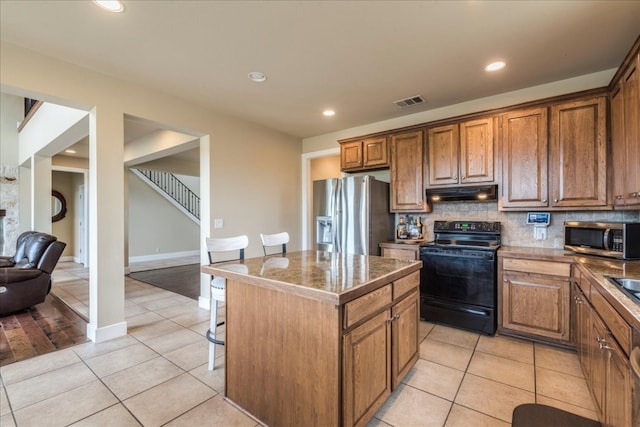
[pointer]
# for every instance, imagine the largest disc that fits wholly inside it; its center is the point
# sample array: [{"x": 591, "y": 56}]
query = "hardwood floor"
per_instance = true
[
  {"x": 42, "y": 329},
  {"x": 183, "y": 280}
]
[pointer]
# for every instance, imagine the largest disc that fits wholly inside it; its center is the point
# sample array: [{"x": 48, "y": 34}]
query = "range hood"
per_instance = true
[{"x": 484, "y": 193}]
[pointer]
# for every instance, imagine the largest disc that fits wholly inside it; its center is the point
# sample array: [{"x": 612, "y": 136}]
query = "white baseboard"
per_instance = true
[
  {"x": 67, "y": 258},
  {"x": 158, "y": 257},
  {"x": 98, "y": 335},
  {"x": 204, "y": 302}
]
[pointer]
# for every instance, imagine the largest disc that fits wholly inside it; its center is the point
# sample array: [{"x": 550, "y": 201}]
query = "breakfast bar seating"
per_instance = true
[{"x": 218, "y": 284}]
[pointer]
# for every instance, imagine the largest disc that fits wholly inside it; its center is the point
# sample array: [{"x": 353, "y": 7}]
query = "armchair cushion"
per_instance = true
[{"x": 25, "y": 280}]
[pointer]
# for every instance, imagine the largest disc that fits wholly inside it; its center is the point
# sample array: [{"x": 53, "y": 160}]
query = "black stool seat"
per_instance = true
[{"x": 536, "y": 415}]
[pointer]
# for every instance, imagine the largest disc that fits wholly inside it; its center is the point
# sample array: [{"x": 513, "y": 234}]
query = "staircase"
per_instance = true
[{"x": 173, "y": 190}]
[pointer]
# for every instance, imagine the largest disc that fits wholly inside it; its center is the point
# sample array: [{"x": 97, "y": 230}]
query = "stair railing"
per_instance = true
[{"x": 170, "y": 185}]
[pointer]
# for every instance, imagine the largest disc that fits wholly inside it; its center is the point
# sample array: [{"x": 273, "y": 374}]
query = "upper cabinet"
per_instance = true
[
  {"x": 555, "y": 157},
  {"x": 524, "y": 142},
  {"x": 578, "y": 154},
  {"x": 407, "y": 172},
  {"x": 461, "y": 153},
  {"x": 363, "y": 154},
  {"x": 625, "y": 136}
]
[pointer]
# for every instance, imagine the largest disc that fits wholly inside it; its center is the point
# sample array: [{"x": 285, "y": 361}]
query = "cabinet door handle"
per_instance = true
[
  {"x": 603, "y": 345},
  {"x": 555, "y": 200},
  {"x": 544, "y": 201}
]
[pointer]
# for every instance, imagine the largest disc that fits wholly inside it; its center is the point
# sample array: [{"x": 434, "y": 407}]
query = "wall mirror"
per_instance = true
[{"x": 58, "y": 206}]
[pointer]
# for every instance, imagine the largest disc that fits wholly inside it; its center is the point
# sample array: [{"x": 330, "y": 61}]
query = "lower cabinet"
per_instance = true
[
  {"x": 404, "y": 337},
  {"x": 367, "y": 369},
  {"x": 604, "y": 362},
  {"x": 378, "y": 353},
  {"x": 400, "y": 250},
  {"x": 535, "y": 299}
]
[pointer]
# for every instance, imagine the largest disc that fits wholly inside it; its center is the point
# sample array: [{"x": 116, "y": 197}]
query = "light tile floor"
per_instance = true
[{"x": 157, "y": 375}]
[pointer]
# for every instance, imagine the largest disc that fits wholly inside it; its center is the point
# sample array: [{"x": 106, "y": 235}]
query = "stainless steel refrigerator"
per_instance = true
[{"x": 352, "y": 215}]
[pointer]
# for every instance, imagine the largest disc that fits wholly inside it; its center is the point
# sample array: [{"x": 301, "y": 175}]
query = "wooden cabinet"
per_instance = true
[
  {"x": 400, "y": 250},
  {"x": 404, "y": 334},
  {"x": 461, "y": 154},
  {"x": 524, "y": 142},
  {"x": 443, "y": 144},
  {"x": 618, "y": 386},
  {"x": 476, "y": 151},
  {"x": 362, "y": 154},
  {"x": 407, "y": 173},
  {"x": 535, "y": 299},
  {"x": 618, "y": 147},
  {"x": 367, "y": 369},
  {"x": 602, "y": 356},
  {"x": 578, "y": 154},
  {"x": 625, "y": 136},
  {"x": 379, "y": 352}
]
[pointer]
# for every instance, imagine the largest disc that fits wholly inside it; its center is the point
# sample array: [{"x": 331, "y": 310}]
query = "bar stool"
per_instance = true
[
  {"x": 216, "y": 245},
  {"x": 275, "y": 240}
]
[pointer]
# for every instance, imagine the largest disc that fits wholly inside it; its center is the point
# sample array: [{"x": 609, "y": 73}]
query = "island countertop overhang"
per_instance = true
[{"x": 331, "y": 277}]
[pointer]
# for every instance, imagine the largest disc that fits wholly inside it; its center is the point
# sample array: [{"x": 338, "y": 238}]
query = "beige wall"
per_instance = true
[
  {"x": 255, "y": 172},
  {"x": 64, "y": 229},
  {"x": 324, "y": 168},
  {"x": 156, "y": 226}
]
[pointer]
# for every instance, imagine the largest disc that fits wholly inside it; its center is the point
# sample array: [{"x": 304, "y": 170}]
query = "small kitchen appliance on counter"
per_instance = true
[
  {"x": 609, "y": 239},
  {"x": 458, "y": 276}
]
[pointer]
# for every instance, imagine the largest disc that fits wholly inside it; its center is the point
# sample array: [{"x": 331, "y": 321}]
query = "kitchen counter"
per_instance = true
[
  {"x": 598, "y": 268},
  {"x": 325, "y": 276},
  {"x": 295, "y": 324}
]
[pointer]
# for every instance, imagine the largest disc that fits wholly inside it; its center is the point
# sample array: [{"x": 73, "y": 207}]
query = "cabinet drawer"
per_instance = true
[
  {"x": 539, "y": 267},
  {"x": 408, "y": 254},
  {"x": 366, "y": 305},
  {"x": 406, "y": 285},
  {"x": 616, "y": 324}
]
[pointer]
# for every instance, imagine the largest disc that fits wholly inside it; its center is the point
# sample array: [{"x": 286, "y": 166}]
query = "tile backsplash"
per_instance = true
[{"x": 515, "y": 231}]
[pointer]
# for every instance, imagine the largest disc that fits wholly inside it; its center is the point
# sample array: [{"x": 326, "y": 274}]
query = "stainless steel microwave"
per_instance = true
[{"x": 609, "y": 239}]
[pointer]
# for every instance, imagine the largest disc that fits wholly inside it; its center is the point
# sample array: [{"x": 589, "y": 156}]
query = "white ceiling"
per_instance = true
[{"x": 356, "y": 57}]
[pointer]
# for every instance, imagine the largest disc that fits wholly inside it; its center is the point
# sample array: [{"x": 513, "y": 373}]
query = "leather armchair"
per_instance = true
[{"x": 25, "y": 278}]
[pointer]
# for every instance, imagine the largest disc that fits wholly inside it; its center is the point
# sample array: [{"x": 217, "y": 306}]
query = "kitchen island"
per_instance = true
[{"x": 317, "y": 338}]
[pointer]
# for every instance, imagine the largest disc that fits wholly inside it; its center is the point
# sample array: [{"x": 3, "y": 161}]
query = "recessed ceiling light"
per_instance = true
[
  {"x": 328, "y": 113},
  {"x": 111, "y": 5},
  {"x": 257, "y": 76},
  {"x": 495, "y": 66},
  {"x": 70, "y": 151}
]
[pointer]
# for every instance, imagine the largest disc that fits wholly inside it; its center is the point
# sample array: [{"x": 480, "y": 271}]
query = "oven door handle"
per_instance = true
[
  {"x": 487, "y": 256},
  {"x": 635, "y": 361}
]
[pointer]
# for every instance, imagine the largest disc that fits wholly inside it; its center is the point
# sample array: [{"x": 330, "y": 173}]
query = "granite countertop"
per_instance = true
[
  {"x": 326, "y": 276},
  {"x": 598, "y": 267},
  {"x": 536, "y": 253}
]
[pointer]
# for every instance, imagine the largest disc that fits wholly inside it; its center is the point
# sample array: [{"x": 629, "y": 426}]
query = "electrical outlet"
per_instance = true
[
  {"x": 540, "y": 233},
  {"x": 218, "y": 223}
]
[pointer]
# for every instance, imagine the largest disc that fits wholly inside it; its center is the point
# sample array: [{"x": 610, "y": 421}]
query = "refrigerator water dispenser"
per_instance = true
[{"x": 323, "y": 230}]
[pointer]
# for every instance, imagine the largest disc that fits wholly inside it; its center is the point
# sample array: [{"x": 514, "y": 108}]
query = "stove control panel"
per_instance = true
[{"x": 467, "y": 226}]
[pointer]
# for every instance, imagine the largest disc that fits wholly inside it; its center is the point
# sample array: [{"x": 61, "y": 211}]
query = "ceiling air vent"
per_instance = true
[{"x": 408, "y": 102}]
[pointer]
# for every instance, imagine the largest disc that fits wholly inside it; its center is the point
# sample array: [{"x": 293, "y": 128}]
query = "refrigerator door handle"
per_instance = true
[
  {"x": 336, "y": 215},
  {"x": 364, "y": 217},
  {"x": 339, "y": 218}
]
